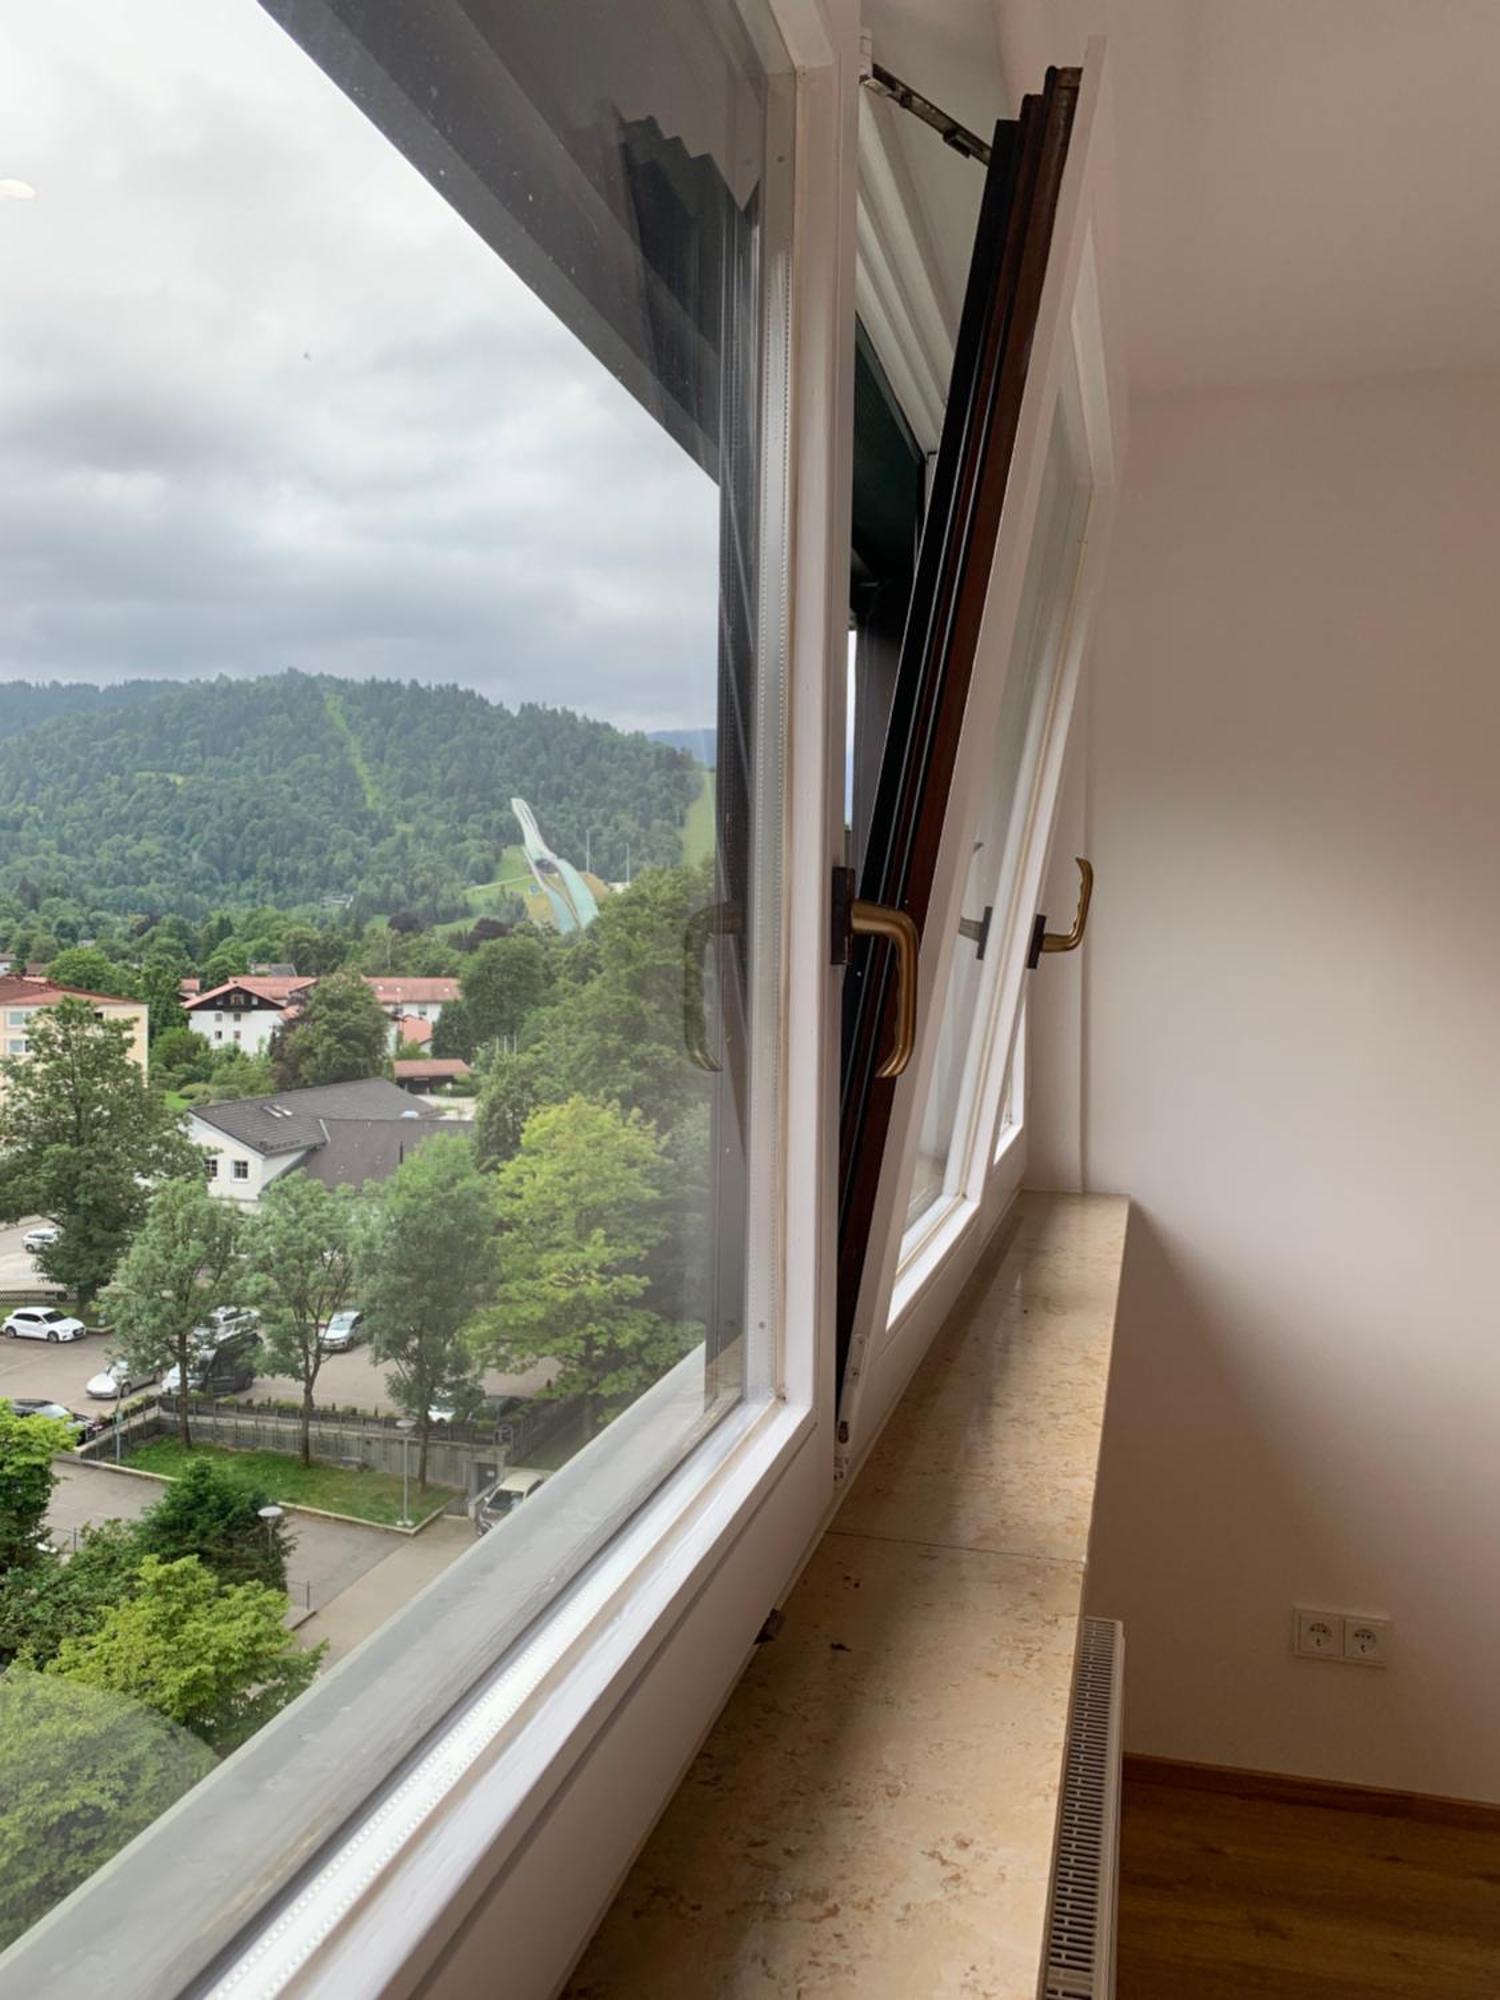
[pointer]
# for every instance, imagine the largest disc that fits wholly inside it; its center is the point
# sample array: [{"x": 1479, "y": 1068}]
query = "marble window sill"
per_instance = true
[{"x": 875, "y": 1811}]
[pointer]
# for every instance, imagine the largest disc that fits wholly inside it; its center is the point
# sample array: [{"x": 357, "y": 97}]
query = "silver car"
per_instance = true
[
  {"x": 43, "y": 1323},
  {"x": 116, "y": 1379},
  {"x": 343, "y": 1331},
  {"x": 40, "y": 1238}
]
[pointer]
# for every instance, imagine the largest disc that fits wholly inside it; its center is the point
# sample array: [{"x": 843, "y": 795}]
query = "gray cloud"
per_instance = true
[{"x": 265, "y": 401}]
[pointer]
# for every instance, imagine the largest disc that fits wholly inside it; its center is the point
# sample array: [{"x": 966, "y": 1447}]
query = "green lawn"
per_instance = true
[
  {"x": 371, "y": 1496},
  {"x": 698, "y": 827}
]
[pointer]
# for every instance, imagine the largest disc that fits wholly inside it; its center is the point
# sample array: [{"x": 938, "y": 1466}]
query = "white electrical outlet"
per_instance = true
[
  {"x": 1367, "y": 1641},
  {"x": 1317, "y": 1635}
]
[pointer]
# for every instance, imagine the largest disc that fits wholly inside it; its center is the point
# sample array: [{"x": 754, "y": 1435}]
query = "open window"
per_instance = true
[
  {"x": 663, "y": 182},
  {"x": 1012, "y": 546}
]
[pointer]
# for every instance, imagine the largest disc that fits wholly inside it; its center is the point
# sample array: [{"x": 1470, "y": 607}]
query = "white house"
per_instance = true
[
  {"x": 244, "y": 1013},
  {"x": 343, "y": 1134}
]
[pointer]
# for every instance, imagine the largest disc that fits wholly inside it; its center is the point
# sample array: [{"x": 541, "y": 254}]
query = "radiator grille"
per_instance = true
[{"x": 1080, "y": 1937}]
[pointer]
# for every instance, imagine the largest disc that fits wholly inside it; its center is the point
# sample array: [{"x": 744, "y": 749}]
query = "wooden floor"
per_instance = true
[{"x": 1232, "y": 1897}]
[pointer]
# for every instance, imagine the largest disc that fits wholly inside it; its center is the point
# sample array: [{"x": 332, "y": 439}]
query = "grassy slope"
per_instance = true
[
  {"x": 371, "y": 1496},
  {"x": 698, "y": 827}
]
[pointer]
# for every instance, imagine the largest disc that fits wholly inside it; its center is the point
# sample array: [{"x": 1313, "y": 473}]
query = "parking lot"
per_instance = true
[
  {"x": 18, "y": 1271},
  {"x": 35, "y": 1368}
]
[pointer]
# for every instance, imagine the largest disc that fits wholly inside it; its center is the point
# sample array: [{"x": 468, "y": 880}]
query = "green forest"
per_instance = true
[{"x": 300, "y": 789}]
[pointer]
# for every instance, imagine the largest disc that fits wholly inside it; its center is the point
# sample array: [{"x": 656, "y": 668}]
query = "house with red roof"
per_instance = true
[
  {"x": 24, "y": 995},
  {"x": 244, "y": 1013}
]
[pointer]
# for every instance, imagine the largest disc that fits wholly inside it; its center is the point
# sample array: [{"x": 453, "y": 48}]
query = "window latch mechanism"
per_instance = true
[
  {"x": 853, "y": 918},
  {"x": 1044, "y": 940}
]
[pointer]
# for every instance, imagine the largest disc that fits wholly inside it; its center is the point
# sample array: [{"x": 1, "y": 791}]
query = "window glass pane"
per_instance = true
[
  {"x": 1006, "y": 819},
  {"x": 392, "y": 419}
]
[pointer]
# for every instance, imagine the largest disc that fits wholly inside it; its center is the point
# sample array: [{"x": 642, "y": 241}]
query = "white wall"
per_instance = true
[
  {"x": 1290, "y": 1032},
  {"x": 261, "y": 1169},
  {"x": 254, "y": 1026}
]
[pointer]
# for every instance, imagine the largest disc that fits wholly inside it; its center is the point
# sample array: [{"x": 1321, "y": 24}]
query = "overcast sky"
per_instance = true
[{"x": 265, "y": 401}]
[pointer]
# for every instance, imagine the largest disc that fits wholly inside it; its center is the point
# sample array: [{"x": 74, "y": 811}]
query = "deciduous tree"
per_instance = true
[
  {"x": 86, "y": 1770},
  {"x": 215, "y": 1657},
  {"x": 84, "y": 1138},
  {"x": 503, "y": 981},
  {"x": 298, "y": 1273},
  {"x": 424, "y": 1263},
  {"x": 580, "y": 1208},
  {"x": 341, "y": 1036},
  {"x": 183, "y": 1263},
  {"x": 51, "y": 1599},
  {"x": 27, "y": 1447}
]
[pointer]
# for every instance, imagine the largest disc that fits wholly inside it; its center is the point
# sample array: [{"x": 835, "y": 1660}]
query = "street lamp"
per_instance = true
[
  {"x": 588, "y": 850},
  {"x": 406, "y": 1425},
  {"x": 271, "y": 1515}
]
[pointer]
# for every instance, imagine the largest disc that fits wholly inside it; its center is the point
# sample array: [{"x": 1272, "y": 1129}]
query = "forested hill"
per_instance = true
[
  {"x": 296, "y": 787},
  {"x": 25, "y": 704}
]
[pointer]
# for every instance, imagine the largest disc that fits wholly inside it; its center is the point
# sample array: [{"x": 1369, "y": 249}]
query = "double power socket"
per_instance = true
[{"x": 1341, "y": 1635}]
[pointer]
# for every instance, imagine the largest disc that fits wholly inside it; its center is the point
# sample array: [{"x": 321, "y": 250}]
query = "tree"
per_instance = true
[
  {"x": 507, "y": 1098},
  {"x": 424, "y": 1263},
  {"x": 27, "y": 1448},
  {"x": 616, "y": 1033},
  {"x": 341, "y": 1036},
  {"x": 91, "y": 970},
  {"x": 181, "y": 1054},
  {"x": 210, "y": 1511},
  {"x": 237, "y": 1073},
  {"x": 84, "y": 1137},
  {"x": 214, "y": 1657},
  {"x": 503, "y": 982},
  {"x": 49, "y": 1599},
  {"x": 453, "y": 1032},
  {"x": 161, "y": 989},
  {"x": 580, "y": 1208},
  {"x": 298, "y": 1273},
  {"x": 181, "y": 1265},
  {"x": 85, "y": 1771},
  {"x": 226, "y": 961}
]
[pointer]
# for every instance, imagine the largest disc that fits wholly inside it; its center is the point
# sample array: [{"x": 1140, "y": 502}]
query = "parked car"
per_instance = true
[
  {"x": 505, "y": 1496},
  {"x": 38, "y": 1406},
  {"x": 117, "y": 1378},
  {"x": 343, "y": 1331},
  {"x": 40, "y": 1238},
  {"x": 233, "y": 1319},
  {"x": 224, "y": 1363},
  {"x": 43, "y": 1323}
]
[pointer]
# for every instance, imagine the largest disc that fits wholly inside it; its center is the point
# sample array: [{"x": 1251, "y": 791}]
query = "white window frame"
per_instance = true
[
  {"x": 512, "y": 1829},
  {"x": 524, "y": 1855},
  {"x": 913, "y": 1275}
]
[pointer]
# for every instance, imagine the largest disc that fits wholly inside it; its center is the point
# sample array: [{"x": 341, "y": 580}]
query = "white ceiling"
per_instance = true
[{"x": 1309, "y": 190}]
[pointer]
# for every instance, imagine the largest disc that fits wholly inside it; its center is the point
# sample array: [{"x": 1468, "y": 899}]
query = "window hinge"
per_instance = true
[
  {"x": 885, "y": 84},
  {"x": 840, "y": 916},
  {"x": 977, "y": 929}
]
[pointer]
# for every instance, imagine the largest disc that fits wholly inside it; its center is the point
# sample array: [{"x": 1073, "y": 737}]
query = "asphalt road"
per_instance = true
[
  {"x": 328, "y": 1557},
  {"x": 356, "y": 1380},
  {"x": 18, "y": 1271}
]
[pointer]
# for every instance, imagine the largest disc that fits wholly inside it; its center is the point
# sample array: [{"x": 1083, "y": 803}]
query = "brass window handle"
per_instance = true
[
  {"x": 897, "y": 928},
  {"x": 1044, "y": 940}
]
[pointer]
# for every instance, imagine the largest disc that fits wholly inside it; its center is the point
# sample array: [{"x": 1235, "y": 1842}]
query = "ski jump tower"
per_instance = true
[{"x": 569, "y": 896}]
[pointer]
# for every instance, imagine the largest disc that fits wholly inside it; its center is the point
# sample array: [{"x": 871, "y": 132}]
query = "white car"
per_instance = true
[
  {"x": 118, "y": 1378},
  {"x": 233, "y": 1319},
  {"x": 43, "y": 1323},
  {"x": 41, "y": 1238},
  {"x": 505, "y": 1496}
]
